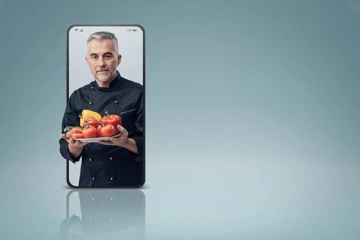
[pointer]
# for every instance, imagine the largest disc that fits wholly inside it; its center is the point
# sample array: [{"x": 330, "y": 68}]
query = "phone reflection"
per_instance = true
[{"x": 104, "y": 214}]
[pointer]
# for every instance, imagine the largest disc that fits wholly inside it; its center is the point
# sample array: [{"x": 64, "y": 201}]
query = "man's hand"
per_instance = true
[
  {"x": 122, "y": 140},
  {"x": 75, "y": 147}
]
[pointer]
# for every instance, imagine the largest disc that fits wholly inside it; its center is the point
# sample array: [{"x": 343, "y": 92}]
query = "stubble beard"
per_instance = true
[{"x": 105, "y": 78}]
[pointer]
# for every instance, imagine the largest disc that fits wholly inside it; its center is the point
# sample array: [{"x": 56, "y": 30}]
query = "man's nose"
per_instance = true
[
  {"x": 101, "y": 64},
  {"x": 101, "y": 61}
]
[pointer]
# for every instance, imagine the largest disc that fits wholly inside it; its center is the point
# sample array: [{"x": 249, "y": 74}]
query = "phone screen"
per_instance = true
[
  {"x": 105, "y": 89},
  {"x": 106, "y": 214}
]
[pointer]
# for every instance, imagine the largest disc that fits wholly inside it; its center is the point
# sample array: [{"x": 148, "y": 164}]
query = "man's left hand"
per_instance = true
[{"x": 120, "y": 141}]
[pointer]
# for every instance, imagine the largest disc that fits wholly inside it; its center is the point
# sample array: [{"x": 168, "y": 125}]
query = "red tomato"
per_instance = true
[
  {"x": 91, "y": 121},
  {"x": 107, "y": 130},
  {"x": 89, "y": 131},
  {"x": 112, "y": 119}
]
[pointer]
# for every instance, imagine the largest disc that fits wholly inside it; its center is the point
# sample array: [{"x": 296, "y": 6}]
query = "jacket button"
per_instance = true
[
  {"x": 116, "y": 102},
  {"x": 110, "y": 158},
  {"x": 93, "y": 178},
  {"x": 92, "y": 87},
  {"x": 90, "y": 159},
  {"x": 90, "y": 103},
  {"x": 111, "y": 179}
]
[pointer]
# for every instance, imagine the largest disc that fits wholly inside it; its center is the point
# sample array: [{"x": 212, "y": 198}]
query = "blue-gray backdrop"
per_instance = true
[{"x": 252, "y": 116}]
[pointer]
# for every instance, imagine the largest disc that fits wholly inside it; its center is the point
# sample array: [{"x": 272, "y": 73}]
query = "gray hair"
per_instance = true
[{"x": 102, "y": 36}]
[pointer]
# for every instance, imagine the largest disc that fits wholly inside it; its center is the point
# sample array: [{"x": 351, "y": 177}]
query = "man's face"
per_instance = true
[{"x": 103, "y": 60}]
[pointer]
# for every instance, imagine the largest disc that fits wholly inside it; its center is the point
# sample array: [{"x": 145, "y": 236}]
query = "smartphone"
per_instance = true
[
  {"x": 104, "y": 118},
  {"x": 104, "y": 214}
]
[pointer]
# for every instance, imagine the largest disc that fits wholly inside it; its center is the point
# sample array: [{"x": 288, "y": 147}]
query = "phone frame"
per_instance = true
[{"x": 144, "y": 94}]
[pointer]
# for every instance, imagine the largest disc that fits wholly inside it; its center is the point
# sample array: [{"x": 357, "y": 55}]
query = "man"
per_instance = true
[{"x": 118, "y": 162}]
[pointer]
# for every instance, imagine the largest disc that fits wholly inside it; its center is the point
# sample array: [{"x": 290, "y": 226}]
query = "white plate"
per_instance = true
[{"x": 89, "y": 140}]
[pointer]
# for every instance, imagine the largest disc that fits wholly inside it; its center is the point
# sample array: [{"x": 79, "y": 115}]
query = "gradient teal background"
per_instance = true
[{"x": 252, "y": 116}]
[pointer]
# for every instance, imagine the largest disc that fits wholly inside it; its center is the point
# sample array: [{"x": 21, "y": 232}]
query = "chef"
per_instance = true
[{"x": 118, "y": 162}]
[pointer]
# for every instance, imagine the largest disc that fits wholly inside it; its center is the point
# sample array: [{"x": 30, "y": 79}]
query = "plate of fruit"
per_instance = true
[{"x": 94, "y": 127}]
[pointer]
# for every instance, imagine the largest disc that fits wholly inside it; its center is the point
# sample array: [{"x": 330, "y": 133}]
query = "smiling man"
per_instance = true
[{"x": 118, "y": 162}]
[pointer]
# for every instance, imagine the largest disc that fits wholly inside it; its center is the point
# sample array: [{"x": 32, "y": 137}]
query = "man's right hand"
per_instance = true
[{"x": 75, "y": 147}]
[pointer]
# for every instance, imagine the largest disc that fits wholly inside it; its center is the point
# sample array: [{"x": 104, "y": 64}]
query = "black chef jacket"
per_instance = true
[{"x": 102, "y": 165}]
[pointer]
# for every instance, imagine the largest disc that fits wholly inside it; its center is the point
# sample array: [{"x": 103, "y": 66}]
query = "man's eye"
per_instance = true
[
  {"x": 108, "y": 56},
  {"x": 93, "y": 56}
]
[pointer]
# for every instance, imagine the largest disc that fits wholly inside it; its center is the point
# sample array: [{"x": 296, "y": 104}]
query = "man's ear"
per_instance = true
[
  {"x": 119, "y": 59},
  {"x": 87, "y": 62}
]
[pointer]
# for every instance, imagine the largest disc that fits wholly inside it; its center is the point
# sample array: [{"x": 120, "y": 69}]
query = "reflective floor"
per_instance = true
[
  {"x": 104, "y": 215},
  {"x": 292, "y": 202}
]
